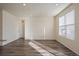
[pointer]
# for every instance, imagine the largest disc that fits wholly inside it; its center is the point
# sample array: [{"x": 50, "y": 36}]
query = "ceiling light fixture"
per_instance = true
[
  {"x": 57, "y": 4},
  {"x": 24, "y": 4}
]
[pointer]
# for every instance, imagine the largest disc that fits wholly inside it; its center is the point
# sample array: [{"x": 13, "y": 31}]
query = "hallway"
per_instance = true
[{"x": 22, "y": 47}]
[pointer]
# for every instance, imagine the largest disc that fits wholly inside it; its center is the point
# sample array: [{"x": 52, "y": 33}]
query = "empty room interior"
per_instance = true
[{"x": 39, "y": 29}]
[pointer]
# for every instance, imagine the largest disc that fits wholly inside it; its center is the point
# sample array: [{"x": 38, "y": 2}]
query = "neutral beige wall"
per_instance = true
[
  {"x": 0, "y": 26},
  {"x": 10, "y": 30},
  {"x": 10, "y": 27},
  {"x": 28, "y": 28},
  {"x": 35, "y": 28},
  {"x": 20, "y": 28},
  {"x": 71, "y": 44}
]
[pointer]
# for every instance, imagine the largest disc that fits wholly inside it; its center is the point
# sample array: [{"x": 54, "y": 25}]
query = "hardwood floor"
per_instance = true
[
  {"x": 58, "y": 47},
  {"x": 22, "y": 48}
]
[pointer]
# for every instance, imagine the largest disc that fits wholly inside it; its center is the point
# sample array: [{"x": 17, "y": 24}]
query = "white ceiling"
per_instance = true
[{"x": 34, "y": 9}]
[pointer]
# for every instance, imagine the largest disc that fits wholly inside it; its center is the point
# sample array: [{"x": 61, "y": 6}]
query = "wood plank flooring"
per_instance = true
[
  {"x": 21, "y": 47},
  {"x": 58, "y": 47}
]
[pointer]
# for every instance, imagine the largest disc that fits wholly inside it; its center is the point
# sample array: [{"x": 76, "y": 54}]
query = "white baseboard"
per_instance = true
[
  {"x": 40, "y": 39},
  {"x": 5, "y": 43},
  {"x": 71, "y": 48}
]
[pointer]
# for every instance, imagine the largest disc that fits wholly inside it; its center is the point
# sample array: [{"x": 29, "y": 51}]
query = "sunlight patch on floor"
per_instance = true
[
  {"x": 57, "y": 53},
  {"x": 40, "y": 50}
]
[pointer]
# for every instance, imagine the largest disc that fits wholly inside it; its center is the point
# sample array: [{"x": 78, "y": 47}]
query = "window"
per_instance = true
[{"x": 67, "y": 25}]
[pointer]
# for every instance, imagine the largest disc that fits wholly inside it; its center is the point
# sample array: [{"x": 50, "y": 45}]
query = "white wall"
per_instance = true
[
  {"x": 28, "y": 28},
  {"x": 0, "y": 26},
  {"x": 71, "y": 44},
  {"x": 35, "y": 28},
  {"x": 10, "y": 29},
  {"x": 20, "y": 33}
]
